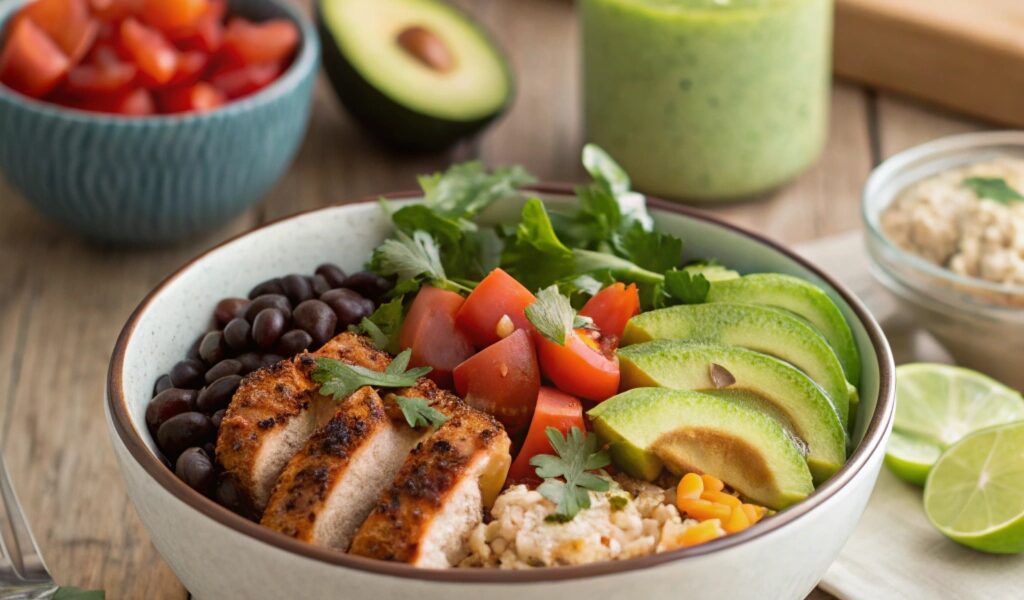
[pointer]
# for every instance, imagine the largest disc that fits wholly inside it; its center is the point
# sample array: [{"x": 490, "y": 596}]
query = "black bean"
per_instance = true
[
  {"x": 270, "y": 359},
  {"x": 317, "y": 319},
  {"x": 188, "y": 373},
  {"x": 297, "y": 288},
  {"x": 348, "y": 306},
  {"x": 195, "y": 468},
  {"x": 319, "y": 285},
  {"x": 230, "y": 495},
  {"x": 212, "y": 349},
  {"x": 210, "y": 447},
  {"x": 218, "y": 394},
  {"x": 267, "y": 327},
  {"x": 228, "y": 366},
  {"x": 277, "y": 301},
  {"x": 293, "y": 342},
  {"x": 169, "y": 403},
  {"x": 370, "y": 285},
  {"x": 238, "y": 334},
  {"x": 230, "y": 308},
  {"x": 193, "y": 350},
  {"x": 270, "y": 286},
  {"x": 332, "y": 273},
  {"x": 162, "y": 383},
  {"x": 184, "y": 431},
  {"x": 250, "y": 362},
  {"x": 218, "y": 418}
]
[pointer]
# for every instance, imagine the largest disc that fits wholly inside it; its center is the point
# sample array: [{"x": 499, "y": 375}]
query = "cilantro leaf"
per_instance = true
[
  {"x": 67, "y": 592},
  {"x": 416, "y": 257},
  {"x": 993, "y": 188},
  {"x": 650, "y": 250},
  {"x": 576, "y": 456},
  {"x": 383, "y": 325},
  {"x": 685, "y": 287},
  {"x": 536, "y": 256},
  {"x": 419, "y": 413},
  {"x": 340, "y": 380},
  {"x": 552, "y": 315},
  {"x": 467, "y": 188},
  {"x": 595, "y": 221},
  {"x": 605, "y": 170}
]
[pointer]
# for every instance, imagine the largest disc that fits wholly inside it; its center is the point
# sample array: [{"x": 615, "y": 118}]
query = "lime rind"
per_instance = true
[{"x": 975, "y": 492}]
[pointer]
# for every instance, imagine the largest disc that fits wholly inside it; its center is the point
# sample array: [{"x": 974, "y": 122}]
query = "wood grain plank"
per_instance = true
[
  {"x": 903, "y": 123},
  {"x": 825, "y": 199}
]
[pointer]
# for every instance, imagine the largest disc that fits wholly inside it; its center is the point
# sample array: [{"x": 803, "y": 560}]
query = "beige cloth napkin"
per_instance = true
[{"x": 895, "y": 553}]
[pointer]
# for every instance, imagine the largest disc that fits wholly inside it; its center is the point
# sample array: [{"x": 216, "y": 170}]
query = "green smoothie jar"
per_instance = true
[{"x": 707, "y": 99}]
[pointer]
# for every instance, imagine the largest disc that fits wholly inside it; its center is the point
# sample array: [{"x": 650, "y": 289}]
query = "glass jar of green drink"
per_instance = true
[{"x": 707, "y": 99}]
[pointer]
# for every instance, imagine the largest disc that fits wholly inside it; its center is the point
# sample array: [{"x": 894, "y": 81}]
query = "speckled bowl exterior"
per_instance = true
[
  {"x": 158, "y": 179},
  {"x": 219, "y": 555}
]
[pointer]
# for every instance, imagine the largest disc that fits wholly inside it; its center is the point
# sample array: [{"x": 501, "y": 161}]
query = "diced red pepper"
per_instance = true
[
  {"x": 154, "y": 55},
  {"x": 239, "y": 81},
  {"x": 200, "y": 97},
  {"x": 31, "y": 62},
  {"x": 269, "y": 41}
]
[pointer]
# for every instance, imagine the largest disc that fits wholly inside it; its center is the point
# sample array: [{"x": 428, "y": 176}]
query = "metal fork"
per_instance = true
[{"x": 23, "y": 574}]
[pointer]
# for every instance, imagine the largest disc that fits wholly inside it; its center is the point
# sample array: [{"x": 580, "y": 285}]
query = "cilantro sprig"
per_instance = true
[
  {"x": 993, "y": 188},
  {"x": 553, "y": 315},
  {"x": 568, "y": 475},
  {"x": 419, "y": 413},
  {"x": 340, "y": 380}
]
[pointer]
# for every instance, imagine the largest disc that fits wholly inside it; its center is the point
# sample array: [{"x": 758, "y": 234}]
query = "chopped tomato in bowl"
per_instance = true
[{"x": 189, "y": 55}]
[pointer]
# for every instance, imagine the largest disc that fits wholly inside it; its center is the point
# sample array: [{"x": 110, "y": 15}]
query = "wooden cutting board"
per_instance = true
[{"x": 964, "y": 55}]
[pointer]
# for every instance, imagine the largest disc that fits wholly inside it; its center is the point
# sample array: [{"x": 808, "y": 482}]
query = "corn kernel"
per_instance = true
[
  {"x": 738, "y": 520},
  {"x": 721, "y": 498},
  {"x": 691, "y": 486},
  {"x": 505, "y": 327},
  {"x": 702, "y": 532},
  {"x": 754, "y": 513},
  {"x": 712, "y": 483},
  {"x": 702, "y": 510}
]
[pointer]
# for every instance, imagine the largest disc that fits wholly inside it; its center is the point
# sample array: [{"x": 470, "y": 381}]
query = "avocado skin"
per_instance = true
[{"x": 391, "y": 122}]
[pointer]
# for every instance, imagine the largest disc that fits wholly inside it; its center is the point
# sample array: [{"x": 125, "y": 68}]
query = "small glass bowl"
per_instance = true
[{"x": 981, "y": 323}]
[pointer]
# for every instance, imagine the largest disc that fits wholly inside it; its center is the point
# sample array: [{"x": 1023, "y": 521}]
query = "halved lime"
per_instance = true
[
  {"x": 936, "y": 406},
  {"x": 975, "y": 492}
]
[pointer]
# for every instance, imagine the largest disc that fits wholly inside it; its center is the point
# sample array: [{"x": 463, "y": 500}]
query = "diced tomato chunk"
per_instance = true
[
  {"x": 171, "y": 15},
  {"x": 581, "y": 367},
  {"x": 154, "y": 55},
  {"x": 553, "y": 409},
  {"x": 207, "y": 33},
  {"x": 191, "y": 66},
  {"x": 238, "y": 81},
  {"x": 269, "y": 41},
  {"x": 31, "y": 62},
  {"x": 429, "y": 330},
  {"x": 502, "y": 380},
  {"x": 498, "y": 295},
  {"x": 111, "y": 11},
  {"x": 67, "y": 22},
  {"x": 612, "y": 307},
  {"x": 135, "y": 103},
  {"x": 200, "y": 97},
  {"x": 100, "y": 78}
]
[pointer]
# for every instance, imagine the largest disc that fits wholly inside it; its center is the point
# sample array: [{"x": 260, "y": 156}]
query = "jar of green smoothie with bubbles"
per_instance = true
[{"x": 707, "y": 99}]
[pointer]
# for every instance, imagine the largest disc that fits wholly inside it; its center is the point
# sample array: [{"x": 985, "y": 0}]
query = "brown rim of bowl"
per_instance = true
[{"x": 169, "y": 481}]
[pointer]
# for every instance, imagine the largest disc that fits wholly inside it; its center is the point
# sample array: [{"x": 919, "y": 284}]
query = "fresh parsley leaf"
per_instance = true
[
  {"x": 685, "y": 287},
  {"x": 650, "y": 250},
  {"x": 418, "y": 217},
  {"x": 340, "y": 380},
  {"x": 595, "y": 221},
  {"x": 383, "y": 325},
  {"x": 993, "y": 188},
  {"x": 605, "y": 170},
  {"x": 413, "y": 258},
  {"x": 575, "y": 460},
  {"x": 552, "y": 315},
  {"x": 67, "y": 592},
  {"x": 535, "y": 256},
  {"x": 467, "y": 188},
  {"x": 419, "y": 413}
]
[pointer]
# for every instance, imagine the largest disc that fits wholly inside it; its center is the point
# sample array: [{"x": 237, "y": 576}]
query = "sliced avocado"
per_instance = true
[
  {"x": 766, "y": 330},
  {"x": 692, "y": 431},
  {"x": 801, "y": 298},
  {"x": 420, "y": 74},
  {"x": 745, "y": 376}
]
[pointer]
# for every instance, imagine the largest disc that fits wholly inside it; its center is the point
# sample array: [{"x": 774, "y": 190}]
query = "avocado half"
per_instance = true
[{"x": 419, "y": 74}]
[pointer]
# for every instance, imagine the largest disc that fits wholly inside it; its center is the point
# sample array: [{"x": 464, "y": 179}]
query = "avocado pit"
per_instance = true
[{"x": 426, "y": 47}]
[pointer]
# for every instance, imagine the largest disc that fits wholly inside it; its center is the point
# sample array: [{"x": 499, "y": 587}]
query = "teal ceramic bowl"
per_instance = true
[{"x": 154, "y": 180}]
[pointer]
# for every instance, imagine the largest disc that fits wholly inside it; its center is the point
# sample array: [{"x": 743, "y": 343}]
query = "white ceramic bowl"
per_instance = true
[{"x": 219, "y": 555}]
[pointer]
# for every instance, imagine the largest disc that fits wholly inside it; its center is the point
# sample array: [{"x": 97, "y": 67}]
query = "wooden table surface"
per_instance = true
[{"x": 62, "y": 301}]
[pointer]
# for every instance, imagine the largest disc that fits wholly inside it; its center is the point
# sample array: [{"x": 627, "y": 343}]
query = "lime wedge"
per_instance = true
[
  {"x": 936, "y": 406},
  {"x": 975, "y": 492}
]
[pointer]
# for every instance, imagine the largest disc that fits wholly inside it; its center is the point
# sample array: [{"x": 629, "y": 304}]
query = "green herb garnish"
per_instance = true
[
  {"x": 993, "y": 188},
  {"x": 465, "y": 189},
  {"x": 553, "y": 315},
  {"x": 576, "y": 458},
  {"x": 686, "y": 287},
  {"x": 419, "y": 413},
  {"x": 383, "y": 325},
  {"x": 415, "y": 257},
  {"x": 340, "y": 380}
]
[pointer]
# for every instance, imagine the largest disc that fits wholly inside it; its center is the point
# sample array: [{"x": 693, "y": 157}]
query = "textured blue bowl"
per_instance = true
[{"x": 158, "y": 179}]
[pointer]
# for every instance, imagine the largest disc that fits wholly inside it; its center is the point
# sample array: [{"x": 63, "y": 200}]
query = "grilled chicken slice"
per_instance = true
[
  {"x": 425, "y": 517},
  {"x": 276, "y": 409},
  {"x": 328, "y": 489}
]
